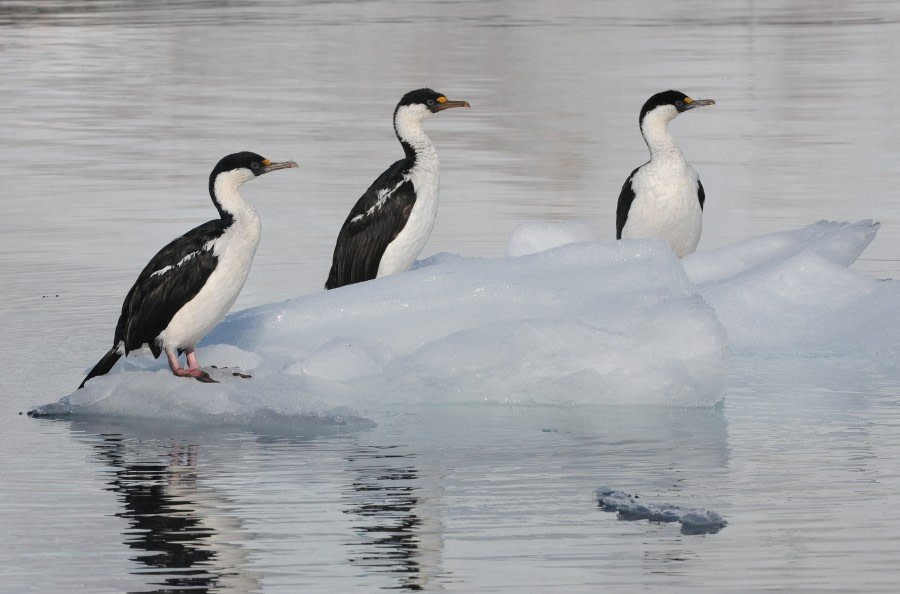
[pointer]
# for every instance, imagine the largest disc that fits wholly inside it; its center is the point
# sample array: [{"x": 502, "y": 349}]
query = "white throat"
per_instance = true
[
  {"x": 425, "y": 176},
  {"x": 408, "y": 125},
  {"x": 235, "y": 249},
  {"x": 655, "y": 129},
  {"x": 227, "y": 190}
]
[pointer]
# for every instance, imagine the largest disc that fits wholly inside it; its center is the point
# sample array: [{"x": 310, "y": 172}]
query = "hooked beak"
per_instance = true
[
  {"x": 269, "y": 166},
  {"x": 698, "y": 103},
  {"x": 447, "y": 105}
]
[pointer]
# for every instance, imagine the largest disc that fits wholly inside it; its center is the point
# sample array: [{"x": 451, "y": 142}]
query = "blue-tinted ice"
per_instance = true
[
  {"x": 584, "y": 323},
  {"x": 693, "y": 521}
]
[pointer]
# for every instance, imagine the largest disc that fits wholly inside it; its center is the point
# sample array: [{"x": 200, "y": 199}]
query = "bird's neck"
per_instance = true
[
  {"x": 416, "y": 144},
  {"x": 226, "y": 195},
  {"x": 655, "y": 130}
]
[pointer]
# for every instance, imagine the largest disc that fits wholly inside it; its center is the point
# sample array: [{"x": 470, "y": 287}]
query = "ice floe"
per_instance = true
[{"x": 561, "y": 321}]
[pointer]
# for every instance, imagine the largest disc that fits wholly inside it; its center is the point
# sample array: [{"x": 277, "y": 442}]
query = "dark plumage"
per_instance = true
[
  {"x": 176, "y": 299},
  {"x": 363, "y": 239},
  {"x": 377, "y": 237}
]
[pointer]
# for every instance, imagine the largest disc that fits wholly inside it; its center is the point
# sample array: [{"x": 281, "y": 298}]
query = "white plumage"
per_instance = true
[
  {"x": 425, "y": 176},
  {"x": 663, "y": 199},
  {"x": 235, "y": 250}
]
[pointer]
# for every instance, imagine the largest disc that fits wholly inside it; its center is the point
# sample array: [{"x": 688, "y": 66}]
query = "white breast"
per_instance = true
[
  {"x": 666, "y": 205},
  {"x": 235, "y": 250},
  {"x": 403, "y": 251}
]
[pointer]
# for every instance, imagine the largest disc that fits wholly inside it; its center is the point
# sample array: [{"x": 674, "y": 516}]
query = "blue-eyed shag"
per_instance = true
[
  {"x": 189, "y": 286},
  {"x": 391, "y": 222},
  {"x": 663, "y": 198}
]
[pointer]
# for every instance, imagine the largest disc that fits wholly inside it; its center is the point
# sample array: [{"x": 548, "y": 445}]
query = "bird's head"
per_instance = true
[
  {"x": 418, "y": 105},
  {"x": 231, "y": 172},
  {"x": 244, "y": 166},
  {"x": 668, "y": 104}
]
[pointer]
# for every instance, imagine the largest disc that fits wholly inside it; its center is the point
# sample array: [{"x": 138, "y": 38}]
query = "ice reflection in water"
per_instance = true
[{"x": 374, "y": 509}]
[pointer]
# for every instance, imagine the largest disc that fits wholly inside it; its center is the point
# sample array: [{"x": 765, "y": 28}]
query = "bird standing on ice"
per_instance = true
[
  {"x": 390, "y": 223},
  {"x": 189, "y": 286},
  {"x": 663, "y": 198}
]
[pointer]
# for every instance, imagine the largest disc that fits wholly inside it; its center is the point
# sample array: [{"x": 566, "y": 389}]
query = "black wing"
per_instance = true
[
  {"x": 374, "y": 222},
  {"x": 172, "y": 278},
  {"x": 626, "y": 197},
  {"x": 700, "y": 193}
]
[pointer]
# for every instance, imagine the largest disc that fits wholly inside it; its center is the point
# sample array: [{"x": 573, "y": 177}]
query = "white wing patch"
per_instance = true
[
  {"x": 383, "y": 196},
  {"x": 187, "y": 258}
]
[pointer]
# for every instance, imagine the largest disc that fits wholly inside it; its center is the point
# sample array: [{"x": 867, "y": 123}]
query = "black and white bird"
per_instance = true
[
  {"x": 663, "y": 198},
  {"x": 189, "y": 286},
  {"x": 390, "y": 223}
]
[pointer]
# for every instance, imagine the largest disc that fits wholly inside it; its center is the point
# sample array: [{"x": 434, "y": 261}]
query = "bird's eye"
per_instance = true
[
  {"x": 430, "y": 102},
  {"x": 254, "y": 165},
  {"x": 679, "y": 103}
]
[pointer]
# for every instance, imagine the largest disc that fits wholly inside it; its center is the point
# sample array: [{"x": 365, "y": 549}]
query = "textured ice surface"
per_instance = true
[
  {"x": 584, "y": 323},
  {"x": 537, "y": 236},
  {"x": 693, "y": 521},
  {"x": 791, "y": 293},
  {"x": 839, "y": 243}
]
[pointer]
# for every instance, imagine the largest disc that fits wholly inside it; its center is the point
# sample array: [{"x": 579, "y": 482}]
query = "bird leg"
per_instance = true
[
  {"x": 191, "y": 356},
  {"x": 193, "y": 369}
]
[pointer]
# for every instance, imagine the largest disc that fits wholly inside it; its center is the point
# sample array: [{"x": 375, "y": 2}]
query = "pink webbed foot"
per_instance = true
[
  {"x": 197, "y": 374},
  {"x": 193, "y": 370}
]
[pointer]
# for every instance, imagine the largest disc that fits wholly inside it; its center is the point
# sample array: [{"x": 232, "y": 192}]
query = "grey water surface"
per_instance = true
[{"x": 112, "y": 113}]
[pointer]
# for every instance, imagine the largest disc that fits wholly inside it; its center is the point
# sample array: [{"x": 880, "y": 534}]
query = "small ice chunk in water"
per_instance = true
[
  {"x": 701, "y": 522},
  {"x": 693, "y": 521}
]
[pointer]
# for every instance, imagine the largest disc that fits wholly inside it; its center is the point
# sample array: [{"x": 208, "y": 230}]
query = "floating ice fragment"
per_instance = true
[
  {"x": 586, "y": 323},
  {"x": 693, "y": 521},
  {"x": 701, "y": 522}
]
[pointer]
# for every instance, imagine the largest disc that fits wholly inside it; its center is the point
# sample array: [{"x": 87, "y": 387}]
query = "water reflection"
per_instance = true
[
  {"x": 371, "y": 509},
  {"x": 180, "y": 529},
  {"x": 187, "y": 534},
  {"x": 112, "y": 12},
  {"x": 395, "y": 520}
]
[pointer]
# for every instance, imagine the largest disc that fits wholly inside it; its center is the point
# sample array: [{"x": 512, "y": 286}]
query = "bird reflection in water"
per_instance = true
[
  {"x": 186, "y": 539},
  {"x": 397, "y": 523}
]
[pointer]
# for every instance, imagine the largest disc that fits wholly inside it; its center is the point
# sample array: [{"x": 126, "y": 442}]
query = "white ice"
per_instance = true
[
  {"x": 792, "y": 293},
  {"x": 539, "y": 236},
  {"x": 568, "y": 322}
]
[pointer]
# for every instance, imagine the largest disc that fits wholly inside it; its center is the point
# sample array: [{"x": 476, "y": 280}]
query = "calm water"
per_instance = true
[{"x": 113, "y": 114}]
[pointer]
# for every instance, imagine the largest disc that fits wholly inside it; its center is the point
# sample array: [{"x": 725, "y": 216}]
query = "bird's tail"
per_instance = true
[{"x": 105, "y": 364}]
